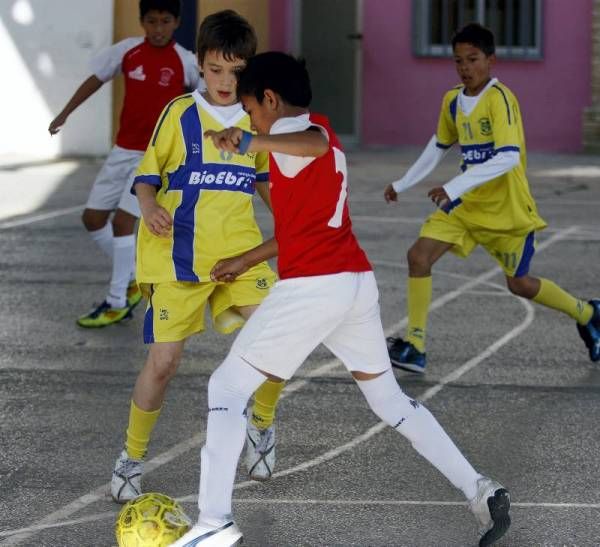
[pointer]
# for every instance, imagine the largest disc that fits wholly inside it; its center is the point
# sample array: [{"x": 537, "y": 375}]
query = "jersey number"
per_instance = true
[{"x": 340, "y": 166}]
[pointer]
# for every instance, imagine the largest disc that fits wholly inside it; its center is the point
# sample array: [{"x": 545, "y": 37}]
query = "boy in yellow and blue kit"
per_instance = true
[
  {"x": 489, "y": 204},
  {"x": 196, "y": 205}
]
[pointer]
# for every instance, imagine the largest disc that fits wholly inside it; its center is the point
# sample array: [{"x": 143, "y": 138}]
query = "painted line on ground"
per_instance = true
[
  {"x": 339, "y": 502},
  {"x": 38, "y": 218},
  {"x": 16, "y": 537}
]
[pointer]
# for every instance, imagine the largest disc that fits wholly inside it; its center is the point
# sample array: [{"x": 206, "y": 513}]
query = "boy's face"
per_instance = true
[
  {"x": 473, "y": 67},
  {"x": 220, "y": 77},
  {"x": 159, "y": 27},
  {"x": 262, "y": 115}
]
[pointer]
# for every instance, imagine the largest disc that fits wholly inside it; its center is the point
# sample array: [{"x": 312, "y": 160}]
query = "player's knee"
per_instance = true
[
  {"x": 164, "y": 367},
  {"x": 418, "y": 261},
  {"x": 123, "y": 223},
  {"x": 92, "y": 220},
  {"x": 519, "y": 286},
  {"x": 234, "y": 379}
]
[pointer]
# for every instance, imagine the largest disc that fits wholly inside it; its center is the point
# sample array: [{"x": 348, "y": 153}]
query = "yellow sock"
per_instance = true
[
  {"x": 552, "y": 296},
  {"x": 141, "y": 424},
  {"x": 419, "y": 298},
  {"x": 265, "y": 401}
]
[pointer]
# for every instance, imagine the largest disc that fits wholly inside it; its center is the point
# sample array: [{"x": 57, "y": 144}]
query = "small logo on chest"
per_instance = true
[
  {"x": 137, "y": 73},
  {"x": 166, "y": 74}
]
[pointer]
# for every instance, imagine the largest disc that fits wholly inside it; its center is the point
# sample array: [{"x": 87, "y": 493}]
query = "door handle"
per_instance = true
[{"x": 354, "y": 36}]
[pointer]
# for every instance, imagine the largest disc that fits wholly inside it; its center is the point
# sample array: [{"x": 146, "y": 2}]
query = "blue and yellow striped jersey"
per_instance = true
[
  {"x": 503, "y": 204},
  {"x": 208, "y": 193}
]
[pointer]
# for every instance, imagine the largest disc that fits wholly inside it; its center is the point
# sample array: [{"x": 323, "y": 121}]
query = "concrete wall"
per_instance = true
[
  {"x": 402, "y": 93},
  {"x": 46, "y": 48}
]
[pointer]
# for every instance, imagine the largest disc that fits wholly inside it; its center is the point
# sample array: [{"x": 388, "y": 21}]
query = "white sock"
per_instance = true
[
  {"x": 123, "y": 264},
  {"x": 104, "y": 238},
  {"x": 418, "y": 425},
  {"x": 229, "y": 388}
]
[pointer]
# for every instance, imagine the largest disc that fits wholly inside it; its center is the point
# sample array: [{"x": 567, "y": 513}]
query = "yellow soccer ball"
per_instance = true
[{"x": 151, "y": 520}]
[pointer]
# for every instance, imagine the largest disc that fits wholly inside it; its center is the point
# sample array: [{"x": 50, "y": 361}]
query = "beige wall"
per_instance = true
[
  {"x": 127, "y": 24},
  {"x": 256, "y": 11}
]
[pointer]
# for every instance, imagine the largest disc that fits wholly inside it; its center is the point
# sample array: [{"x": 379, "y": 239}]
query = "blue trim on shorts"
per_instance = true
[
  {"x": 528, "y": 252},
  {"x": 149, "y": 324}
]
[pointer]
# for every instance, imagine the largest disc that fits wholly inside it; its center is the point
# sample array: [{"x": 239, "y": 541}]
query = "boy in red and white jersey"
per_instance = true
[
  {"x": 156, "y": 70},
  {"x": 327, "y": 294}
]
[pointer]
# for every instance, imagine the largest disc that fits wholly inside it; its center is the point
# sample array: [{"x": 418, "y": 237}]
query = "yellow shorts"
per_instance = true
[
  {"x": 512, "y": 252},
  {"x": 176, "y": 310}
]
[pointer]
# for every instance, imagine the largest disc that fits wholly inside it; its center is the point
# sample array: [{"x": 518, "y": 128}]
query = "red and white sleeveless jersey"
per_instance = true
[
  {"x": 153, "y": 77},
  {"x": 309, "y": 197}
]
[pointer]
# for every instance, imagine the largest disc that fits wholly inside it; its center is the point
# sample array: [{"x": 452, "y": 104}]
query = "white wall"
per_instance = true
[{"x": 46, "y": 47}]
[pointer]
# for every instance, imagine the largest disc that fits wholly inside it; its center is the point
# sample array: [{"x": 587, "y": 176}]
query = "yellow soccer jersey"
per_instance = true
[
  {"x": 207, "y": 192},
  {"x": 503, "y": 204}
]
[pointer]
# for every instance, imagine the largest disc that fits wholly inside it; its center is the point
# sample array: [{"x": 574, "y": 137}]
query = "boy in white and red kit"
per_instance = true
[
  {"x": 156, "y": 70},
  {"x": 327, "y": 294}
]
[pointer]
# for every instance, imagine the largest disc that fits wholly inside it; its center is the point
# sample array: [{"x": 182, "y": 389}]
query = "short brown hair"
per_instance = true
[{"x": 228, "y": 33}]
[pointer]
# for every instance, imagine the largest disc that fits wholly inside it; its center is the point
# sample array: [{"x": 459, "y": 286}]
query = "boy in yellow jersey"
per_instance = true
[
  {"x": 196, "y": 205},
  {"x": 489, "y": 204}
]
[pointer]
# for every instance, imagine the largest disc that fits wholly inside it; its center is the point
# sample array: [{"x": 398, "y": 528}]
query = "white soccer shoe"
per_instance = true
[
  {"x": 126, "y": 483},
  {"x": 204, "y": 534},
  {"x": 260, "y": 451},
  {"x": 490, "y": 506}
]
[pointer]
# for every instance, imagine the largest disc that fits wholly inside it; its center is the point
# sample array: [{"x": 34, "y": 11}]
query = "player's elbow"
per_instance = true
[{"x": 321, "y": 146}]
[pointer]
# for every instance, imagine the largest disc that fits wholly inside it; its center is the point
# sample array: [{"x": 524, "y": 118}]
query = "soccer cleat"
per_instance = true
[
  {"x": 204, "y": 534},
  {"x": 590, "y": 333},
  {"x": 103, "y": 316},
  {"x": 260, "y": 451},
  {"x": 405, "y": 356},
  {"x": 126, "y": 483},
  {"x": 134, "y": 295},
  {"x": 490, "y": 506}
]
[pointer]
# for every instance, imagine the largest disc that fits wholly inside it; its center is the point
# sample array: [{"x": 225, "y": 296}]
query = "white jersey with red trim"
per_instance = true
[
  {"x": 309, "y": 197},
  {"x": 153, "y": 77}
]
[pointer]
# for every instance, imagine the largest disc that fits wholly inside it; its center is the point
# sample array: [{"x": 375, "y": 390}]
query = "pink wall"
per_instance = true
[
  {"x": 280, "y": 27},
  {"x": 402, "y": 93}
]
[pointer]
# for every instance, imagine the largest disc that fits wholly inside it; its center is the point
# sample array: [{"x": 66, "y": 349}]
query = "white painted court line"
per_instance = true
[
  {"x": 335, "y": 502},
  {"x": 102, "y": 491},
  {"x": 42, "y": 216}
]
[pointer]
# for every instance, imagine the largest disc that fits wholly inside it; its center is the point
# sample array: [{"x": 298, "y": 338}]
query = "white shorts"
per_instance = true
[
  {"x": 341, "y": 311},
  {"x": 112, "y": 187}
]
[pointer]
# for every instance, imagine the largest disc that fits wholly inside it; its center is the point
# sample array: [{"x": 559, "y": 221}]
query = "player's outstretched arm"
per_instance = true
[
  {"x": 229, "y": 268},
  {"x": 156, "y": 218},
  {"x": 84, "y": 91},
  {"x": 309, "y": 143},
  {"x": 425, "y": 164}
]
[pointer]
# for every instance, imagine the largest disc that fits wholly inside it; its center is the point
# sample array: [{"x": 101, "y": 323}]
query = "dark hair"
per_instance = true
[
  {"x": 279, "y": 72},
  {"x": 171, "y": 6},
  {"x": 477, "y": 35},
  {"x": 227, "y": 32}
]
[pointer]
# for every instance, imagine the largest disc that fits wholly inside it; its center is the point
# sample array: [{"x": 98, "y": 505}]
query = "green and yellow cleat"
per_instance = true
[
  {"x": 134, "y": 295},
  {"x": 103, "y": 316}
]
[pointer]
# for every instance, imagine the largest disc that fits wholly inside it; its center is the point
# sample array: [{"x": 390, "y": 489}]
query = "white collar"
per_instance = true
[
  {"x": 468, "y": 103},
  {"x": 290, "y": 124},
  {"x": 205, "y": 105}
]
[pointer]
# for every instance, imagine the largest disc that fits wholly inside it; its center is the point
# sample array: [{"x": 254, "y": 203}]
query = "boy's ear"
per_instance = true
[{"x": 271, "y": 99}]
